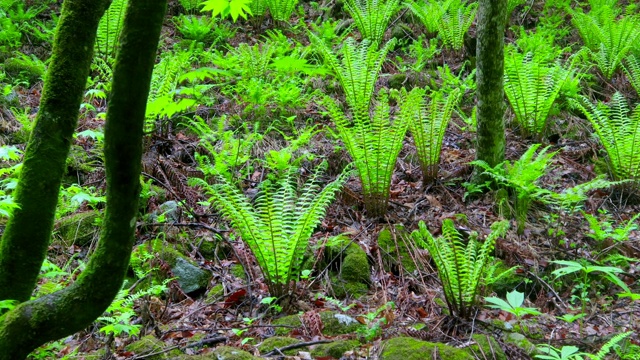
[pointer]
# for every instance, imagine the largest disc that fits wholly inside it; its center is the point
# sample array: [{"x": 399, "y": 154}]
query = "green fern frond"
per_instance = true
[
  {"x": 358, "y": 70},
  {"x": 281, "y": 10},
  {"x": 604, "y": 350},
  {"x": 109, "y": 29},
  {"x": 372, "y": 17},
  {"x": 461, "y": 267},
  {"x": 278, "y": 225},
  {"x": 429, "y": 12},
  {"x": 374, "y": 144},
  {"x": 532, "y": 88},
  {"x": 428, "y": 120},
  {"x": 455, "y": 23},
  {"x": 619, "y": 134},
  {"x": 631, "y": 67},
  {"x": 254, "y": 60}
]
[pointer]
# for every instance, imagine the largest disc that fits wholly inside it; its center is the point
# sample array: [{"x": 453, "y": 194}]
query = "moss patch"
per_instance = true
[
  {"x": 278, "y": 342},
  {"x": 231, "y": 353},
  {"x": 350, "y": 275},
  {"x": 150, "y": 344},
  {"x": 289, "y": 323},
  {"x": 215, "y": 294},
  {"x": 395, "y": 252},
  {"x": 406, "y": 348},
  {"x": 521, "y": 342},
  {"x": 78, "y": 228},
  {"x": 338, "y": 324},
  {"x": 488, "y": 346},
  {"x": 335, "y": 349}
]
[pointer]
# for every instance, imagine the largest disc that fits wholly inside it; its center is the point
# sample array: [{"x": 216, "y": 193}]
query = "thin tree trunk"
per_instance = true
[
  {"x": 65, "y": 312},
  {"x": 490, "y": 81},
  {"x": 26, "y": 238}
]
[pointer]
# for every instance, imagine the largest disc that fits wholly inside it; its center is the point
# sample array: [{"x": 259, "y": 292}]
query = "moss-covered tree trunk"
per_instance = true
[
  {"x": 492, "y": 16},
  {"x": 62, "y": 313},
  {"x": 24, "y": 243}
]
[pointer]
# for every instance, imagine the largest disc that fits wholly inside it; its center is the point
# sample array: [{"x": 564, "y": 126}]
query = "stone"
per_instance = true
[
  {"x": 149, "y": 344},
  {"x": 335, "y": 349},
  {"x": 407, "y": 348},
  {"x": 78, "y": 229},
  {"x": 190, "y": 277},
  {"x": 279, "y": 342}
]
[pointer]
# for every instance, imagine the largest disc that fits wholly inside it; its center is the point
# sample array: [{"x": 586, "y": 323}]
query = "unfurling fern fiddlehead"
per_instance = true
[
  {"x": 374, "y": 144},
  {"x": 619, "y": 134},
  {"x": 428, "y": 120},
  {"x": 372, "y": 17},
  {"x": 278, "y": 225},
  {"x": 358, "y": 70},
  {"x": 461, "y": 267}
]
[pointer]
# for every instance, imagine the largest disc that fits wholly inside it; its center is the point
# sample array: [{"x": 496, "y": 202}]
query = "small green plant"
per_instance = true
[
  {"x": 455, "y": 22},
  {"x": 372, "y": 327},
  {"x": 197, "y": 28},
  {"x": 573, "y": 352},
  {"x": 281, "y": 10},
  {"x": 619, "y": 134},
  {"x": 521, "y": 177},
  {"x": 429, "y": 12},
  {"x": 372, "y": 17},
  {"x": 429, "y": 120},
  {"x": 603, "y": 230},
  {"x": 225, "y": 8},
  {"x": 461, "y": 267},
  {"x": 358, "y": 70},
  {"x": 513, "y": 305},
  {"x": 374, "y": 144},
  {"x": 278, "y": 223}
]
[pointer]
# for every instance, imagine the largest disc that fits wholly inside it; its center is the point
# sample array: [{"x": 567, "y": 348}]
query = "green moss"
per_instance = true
[
  {"x": 338, "y": 324},
  {"x": 486, "y": 345},
  {"x": 406, "y": 348},
  {"x": 286, "y": 324},
  {"x": 78, "y": 228},
  {"x": 350, "y": 275},
  {"x": 394, "y": 249},
  {"x": 215, "y": 294},
  {"x": 279, "y": 342},
  {"x": 521, "y": 342},
  {"x": 335, "y": 349},
  {"x": 355, "y": 266},
  {"x": 238, "y": 271},
  {"x": 24, "y": 69},
  {"x": 343, "y": 289},
  {"x": 231, "y": 353},
  {"x": 150, "y": 344}
]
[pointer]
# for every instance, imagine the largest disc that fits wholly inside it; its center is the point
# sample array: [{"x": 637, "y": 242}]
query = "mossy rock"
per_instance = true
[
  {"x": 230, "y": 353},
  {"x": 406, "y": 348},
  {"x": 78, "y": 228},
  {"x": 334, "y": 324},
  {"x": 486, "y": 345},
  {"x": 279, "y": 342},
  {"x": 343, "y": 289},
  {"x": 335, "y": 349},
  {"x": 149, "y": 344},
  {"x": 338, "y": 324},
  {"x": 506, "y": 282},
  {"x": 238, "y": 271},
  {"x": 520, "y": 341},
  {"x": 395, "y": 252},
  {"x": 24, "y": 68},
  {"x": 350, "y": 275}
]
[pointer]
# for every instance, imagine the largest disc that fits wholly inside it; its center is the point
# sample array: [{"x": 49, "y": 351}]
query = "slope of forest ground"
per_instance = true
[{"x": 254, "y": 106}]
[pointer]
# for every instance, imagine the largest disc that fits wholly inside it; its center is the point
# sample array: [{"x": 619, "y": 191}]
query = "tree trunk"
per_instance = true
[
  {"x": 492, "y": 16},
  {"x": 65, "y": 312},
  {"x": 26, "y": 238}
]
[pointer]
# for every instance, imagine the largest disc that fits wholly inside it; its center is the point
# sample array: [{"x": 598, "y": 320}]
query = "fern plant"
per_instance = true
[
  {"x": 631, "y": 67},
  {"x": 532, "y": 89},
  {"x": 358, "y": 70},
  {"x": 109, "y": 29},
  {"x": 521, "y": 177},
  {"x": 461, "y": 267},
  {"x": 372, "y": 17},
  {"x": 429, "y": 12},
  {"x": 619, "y": 134},
  {"x": 608, "y": 39},
  {"x": 374, "y": 144},
  {"x": 281, "y": 10},
  {"x": 455, "y": 23},
  {"x": 428, "y": 122},
  {"x": 278, "y": 223}
]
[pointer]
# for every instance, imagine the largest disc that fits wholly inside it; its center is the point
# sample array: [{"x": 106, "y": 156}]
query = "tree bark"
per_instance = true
[
  {"x": 492, "y": 15},
  {"x": 65, "y": 312},
  {"x": 26, "y": 238}
]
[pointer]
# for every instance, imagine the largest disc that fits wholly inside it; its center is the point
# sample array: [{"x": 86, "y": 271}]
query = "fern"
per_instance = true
[
  {"x": 258, "y": 7},
  {"x": 429, "y": 12},
  {"x": 512, "y": 4},
  {"x": 631, "y": 67},
  {"x": 190, "y": 6},
  {"x": 281, "y": 10},
  {"x": 455, "y": 23},
  {"x": 374, "y": 144},
  {"x": 428, "y": 121},
  {"x": 461, "y": 267},
  {"x": 358, "y": 70},
  {"x": 278, "y": 225},
  {"x": 521, "y": 177},
  {"x": 253, "y": 61},
  {"x": 604, "y": 350},
  {"x": 109, "y": 29},
  {"x": 372, "y": 17},
  {"x": 609, "y": 40},
  {"x": 619, "y": 134},
  {"x": 532, "y": 89}
]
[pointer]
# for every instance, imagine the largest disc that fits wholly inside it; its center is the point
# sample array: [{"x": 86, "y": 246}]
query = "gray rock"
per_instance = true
[{"x": 190, "y": 277}]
